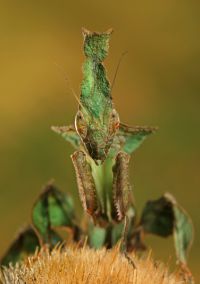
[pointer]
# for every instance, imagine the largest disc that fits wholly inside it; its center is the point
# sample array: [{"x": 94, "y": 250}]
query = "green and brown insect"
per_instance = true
[
  {"x": 103, "y": 147},
  {"x": 103, "y": 143}
]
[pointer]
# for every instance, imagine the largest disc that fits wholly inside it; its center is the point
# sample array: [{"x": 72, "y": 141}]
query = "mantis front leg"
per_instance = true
[
  {"x": 122, "y": 198},
  {"x": 122, "y": 191},
  {"x": 86, "y": 184}
]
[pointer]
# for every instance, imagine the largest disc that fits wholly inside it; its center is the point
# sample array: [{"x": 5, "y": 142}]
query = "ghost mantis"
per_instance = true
[
  {"x": 103, "y": 144},
  {"x": 103, "y": 148}
]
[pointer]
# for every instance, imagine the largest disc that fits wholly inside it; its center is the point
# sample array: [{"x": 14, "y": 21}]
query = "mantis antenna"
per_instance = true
[{"x": 117, "y": 69}]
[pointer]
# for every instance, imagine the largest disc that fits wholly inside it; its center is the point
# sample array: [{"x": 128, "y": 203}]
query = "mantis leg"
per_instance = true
[
  {"x": 86, "y": 185},
  {"x": 122, "y": 195},
  {"x": 121, "y": 189},
  {"x": 123, "y": 246}
]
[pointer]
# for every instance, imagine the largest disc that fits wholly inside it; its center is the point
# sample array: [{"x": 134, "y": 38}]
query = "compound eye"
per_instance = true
[
  {"x": 80, "y": 125},
  {"x": 114, "y": 122}
]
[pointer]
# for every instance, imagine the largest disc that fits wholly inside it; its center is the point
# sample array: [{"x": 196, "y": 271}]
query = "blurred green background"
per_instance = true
[{"x": 158, "y": 84}]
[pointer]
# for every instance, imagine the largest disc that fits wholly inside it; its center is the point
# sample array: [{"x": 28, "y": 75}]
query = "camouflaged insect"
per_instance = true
[
  {"x": 101, "y": 162},
  {"x": 103, "y": 143},
  {"x": 103, "y": 148}
]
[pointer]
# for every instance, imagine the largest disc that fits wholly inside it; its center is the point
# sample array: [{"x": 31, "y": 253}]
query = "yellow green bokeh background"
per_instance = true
[{"x": 158, "y": 84}]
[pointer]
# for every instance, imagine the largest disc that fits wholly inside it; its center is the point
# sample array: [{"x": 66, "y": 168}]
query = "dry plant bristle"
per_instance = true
[{"x": 87, "y": 266}]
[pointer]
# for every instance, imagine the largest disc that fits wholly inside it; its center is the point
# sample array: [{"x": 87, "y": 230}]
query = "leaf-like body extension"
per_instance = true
[
  {"x": 52, "y": 209},
  {"x": 96, "y": 121},
  {"x": 158, "y": 217},
  {"x": 95, "y": 88},
  {"x": 96, "y": 44},
  {"x": 183, "y": 230},
  {"x": 128, "y": 138},
  {"x": 69, "y": 134},
  {"x": 24, "y": 245},
  {"x": 164, "y": 217}
]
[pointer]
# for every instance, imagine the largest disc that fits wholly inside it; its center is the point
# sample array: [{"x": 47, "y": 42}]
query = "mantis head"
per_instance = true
[{"x": 97, "y": 134}]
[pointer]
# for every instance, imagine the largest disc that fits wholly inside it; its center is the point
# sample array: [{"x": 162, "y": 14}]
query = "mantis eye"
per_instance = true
[
  {"x": 80, "y": 125},
  {"x": 114, "y": 122}
]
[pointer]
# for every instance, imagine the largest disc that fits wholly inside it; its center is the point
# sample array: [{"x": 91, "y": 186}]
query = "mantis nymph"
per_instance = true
[
  {"x": 103, "y": 147},
  {"x": 103, "y": 143}
]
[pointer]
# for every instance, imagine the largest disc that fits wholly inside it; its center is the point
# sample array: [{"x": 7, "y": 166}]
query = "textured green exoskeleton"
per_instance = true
[{"x": 103, "y": 143}]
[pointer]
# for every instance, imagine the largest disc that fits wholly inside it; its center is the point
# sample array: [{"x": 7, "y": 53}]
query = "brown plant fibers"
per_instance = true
[{"x": 87, "y": 266}]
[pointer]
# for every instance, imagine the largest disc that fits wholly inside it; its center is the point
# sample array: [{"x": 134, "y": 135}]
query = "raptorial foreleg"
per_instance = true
[
  {"x": 122, "y": 191},
  {"x": 122, "y": 198},
  {"x": 86, "y": 184}
]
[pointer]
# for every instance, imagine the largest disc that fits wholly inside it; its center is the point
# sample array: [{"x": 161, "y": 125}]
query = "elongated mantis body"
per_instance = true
[{"x": 103, "y": 144}]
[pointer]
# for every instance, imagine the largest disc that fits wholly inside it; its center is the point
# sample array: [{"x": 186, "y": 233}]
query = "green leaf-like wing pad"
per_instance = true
[
  {"x": 24, "y": 245},
  {"x": 69, "y": 134},
  {"x": 52, "y": 209},
  {"x": 164, "y": 217},
  {"x": 128, "y": 138},
  {"x": 134, "y": 136}
]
